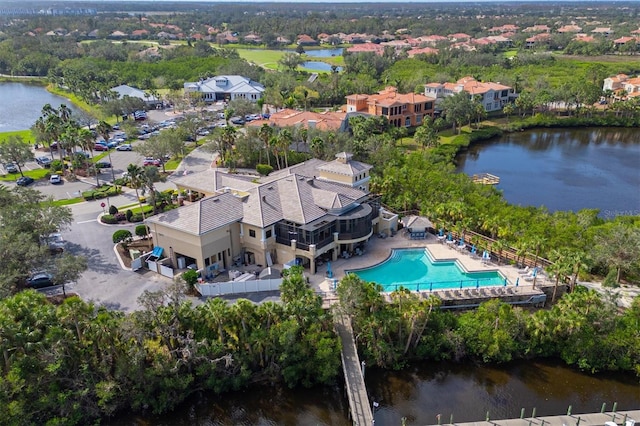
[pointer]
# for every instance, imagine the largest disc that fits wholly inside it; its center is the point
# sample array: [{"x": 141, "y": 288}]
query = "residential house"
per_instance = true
[
  {"x": 149, "y": 100},
  {"x": 569, "y": 29},
  {"x": 614, "y": 83},
  {"x": 306, "y": 40},
  {"x": 537, "y": 29},
  {"x": 507, "y": 28},
  {"x": 325, "y": 121},
  {"x": 422, "y": 51},
  {"x": 493, "y": 96},
  {"x": 536, "y": 40},
  {"x": 459, "y": 37},
  {"x": 252, "y": 38},
  {"x": 584, "y": 38},
  {"x": 139, "y": 33},
  {"x": 602, "y": 31},
  {"x": 624, "y": 40},
  {"x": 378, "y": 49},
  {"x": 402, "y": 110},
  {"x": 226, "y": 88},
  {"x": 311, "y": 211},
  {"x": 623, "y": 85}
]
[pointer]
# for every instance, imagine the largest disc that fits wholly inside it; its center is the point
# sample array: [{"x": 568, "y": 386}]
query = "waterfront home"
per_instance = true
[
  {"x": 493, "y": 96},
  {"x": 402, "y": 110}
]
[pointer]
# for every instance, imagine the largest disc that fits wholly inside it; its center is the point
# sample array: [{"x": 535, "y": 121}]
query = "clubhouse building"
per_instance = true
[{"x": 308, "y": 213}]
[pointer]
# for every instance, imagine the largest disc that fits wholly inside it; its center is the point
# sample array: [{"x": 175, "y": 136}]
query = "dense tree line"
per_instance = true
[
  {"x": 582, "y": 329},
  {"x": 75, "y": 363}
]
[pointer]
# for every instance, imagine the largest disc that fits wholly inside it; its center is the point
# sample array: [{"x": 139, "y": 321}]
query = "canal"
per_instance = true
[{"x": 417, "y": 393}]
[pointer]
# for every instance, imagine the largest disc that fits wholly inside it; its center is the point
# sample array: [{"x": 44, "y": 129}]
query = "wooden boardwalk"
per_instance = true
[
  {"x": 360, "y": 410},
  {"x": 486, "y": 179},
  {"x": 592, "y": 419}
]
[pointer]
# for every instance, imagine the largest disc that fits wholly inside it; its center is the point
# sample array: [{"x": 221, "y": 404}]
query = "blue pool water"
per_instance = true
[{"x": 415, "y": 270}]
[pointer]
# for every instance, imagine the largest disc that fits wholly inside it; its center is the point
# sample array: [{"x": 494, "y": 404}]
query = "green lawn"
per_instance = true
[
  {"x": 24, "y": 134},
  {"x": 36, "y": 174},
  {"x": 262, "y": 57}
]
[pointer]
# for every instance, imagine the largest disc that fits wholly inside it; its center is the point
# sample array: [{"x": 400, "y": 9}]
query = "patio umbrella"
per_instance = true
[{"x": 329, "y": 271}]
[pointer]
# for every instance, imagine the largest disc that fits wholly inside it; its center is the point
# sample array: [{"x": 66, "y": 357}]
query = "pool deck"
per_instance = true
[{"x": 379, "y": 249}]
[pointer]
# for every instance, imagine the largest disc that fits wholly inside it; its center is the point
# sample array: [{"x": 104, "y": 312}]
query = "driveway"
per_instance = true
[{"x": 105, "y": 282}]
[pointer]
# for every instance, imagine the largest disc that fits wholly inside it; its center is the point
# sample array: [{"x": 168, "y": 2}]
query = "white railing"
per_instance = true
[{"x": 236, "y": 287}]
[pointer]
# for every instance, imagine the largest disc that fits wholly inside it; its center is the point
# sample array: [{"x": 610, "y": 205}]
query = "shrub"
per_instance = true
[
  {"x": 136, "y": 218},
  {"x": 122, "y": 236},
  {"x": 264, "y": 169},
  {"x": 190, "y": 277},
  {"x": 56, "y": 165},
  {"x": 121, "y": 182},
  {"x": 108, "y": 218},
  {"x": 120, "y": 217},
  {"x": 113, "y": 209},
  {"x": 128, "y": 214},
  {"x": 142, "y": 231}
]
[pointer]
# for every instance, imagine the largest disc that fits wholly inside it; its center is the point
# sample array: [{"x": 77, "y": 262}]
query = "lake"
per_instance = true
[
  {"x": 22, "y": 105},
  {"x": 563, "y": 169},
  {"x": 418, "y": 392}
]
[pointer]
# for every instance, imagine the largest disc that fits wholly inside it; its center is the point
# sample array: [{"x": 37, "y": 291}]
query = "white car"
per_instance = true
[
  {"x": 124, "y": 147},
  {"x": 55, "y": 179}
]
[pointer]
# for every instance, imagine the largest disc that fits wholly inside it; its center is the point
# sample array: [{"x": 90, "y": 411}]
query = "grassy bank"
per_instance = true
[{"x": 24, "y": 134}]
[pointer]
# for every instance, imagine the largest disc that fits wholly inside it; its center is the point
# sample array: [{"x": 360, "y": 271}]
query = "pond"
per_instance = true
[
  {"x": 419, "y": 393},
  {"x": 318, "y": 66},
  {"x": 563, "y": 169},
  {"x": 22, "y": 105},
  {"x": 322, "y": 53}
]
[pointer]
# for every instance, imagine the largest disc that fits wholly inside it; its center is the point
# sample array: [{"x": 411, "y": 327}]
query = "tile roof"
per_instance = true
[
  {"x": 202, "y": 216},
  {"x": 328, "y": 120}
]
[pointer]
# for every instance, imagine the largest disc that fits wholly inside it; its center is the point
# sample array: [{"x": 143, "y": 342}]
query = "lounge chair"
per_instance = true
[{"x": 525, "y": 271}]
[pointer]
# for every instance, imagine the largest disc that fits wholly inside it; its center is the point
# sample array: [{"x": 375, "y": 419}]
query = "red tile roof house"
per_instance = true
[
  {"x": 603, "y": 31},
  {"x": 402, "y": 110},
  {"x": 325, "y": 121},
  {"x": 584, "y": 38},
  {"x": 569, "y": 29},
  {"x": 459, "y": 37},
  {"x": 367, "y": 47},
  {"x": 507, "y": 28},
  {"x": 537, "y": 29},
  {"x": 537, "y": 39},
  {"x": 624, "y": 40},
  {"x": 139, "y": 34},
  {"x": 494, "y": 96},
  {"x": 306, "y": 40},
  {"x": 422, "y": 51}
]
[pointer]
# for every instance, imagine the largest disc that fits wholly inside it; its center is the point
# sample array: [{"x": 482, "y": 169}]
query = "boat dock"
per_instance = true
[
  {"x": 359, "y": 409},
  {"x": 486, "y": 179},
  {"x": 624, "y": 418}
]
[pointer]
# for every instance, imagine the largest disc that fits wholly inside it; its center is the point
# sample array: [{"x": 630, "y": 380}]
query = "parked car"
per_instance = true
[
  {"x": 25, "y": 181},
  {"x": 54, "y": 242},
  {"x": 103, "y": 165},
  {"x": 44, "y": 161},
  {"x": 82, "y": 154},
  {"x": 124, "y": 147},
  {"x": 237, "y": 120},
  {"x": 100, "y": 147},
  {"x": 151, "y": 162},
  {"x": 55, "y": 179},
  {"x": 40, "y": 280},
  {"x": 11, "y": 168},
  {"x": 116, "y": 127}
]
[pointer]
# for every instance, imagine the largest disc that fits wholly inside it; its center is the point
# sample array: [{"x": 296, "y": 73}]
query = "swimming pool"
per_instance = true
[{"x": 416, "y": 270}]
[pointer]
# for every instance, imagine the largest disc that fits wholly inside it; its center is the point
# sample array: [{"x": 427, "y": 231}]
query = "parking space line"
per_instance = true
[{"x": 86, "y": 221}]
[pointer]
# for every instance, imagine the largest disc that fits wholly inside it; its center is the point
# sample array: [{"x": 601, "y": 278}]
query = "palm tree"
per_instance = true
[
  {"x": 265, "y": 133},
  {"x": 317, "y": 146},
  {"x": 104, "y": 130},
  {"x": 135, "y": 173},
  {"x": 284, "y": 141}
]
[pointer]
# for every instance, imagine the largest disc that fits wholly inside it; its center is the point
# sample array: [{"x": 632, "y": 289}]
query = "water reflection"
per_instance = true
[
  {"x": 22, "y": 104},
  {"x": 420, "y": 393},
  {"x": 563, "y": 169}
]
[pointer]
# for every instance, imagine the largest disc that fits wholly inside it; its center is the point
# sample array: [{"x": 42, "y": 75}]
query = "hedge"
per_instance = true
[{"x": 101, "y": 192}]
